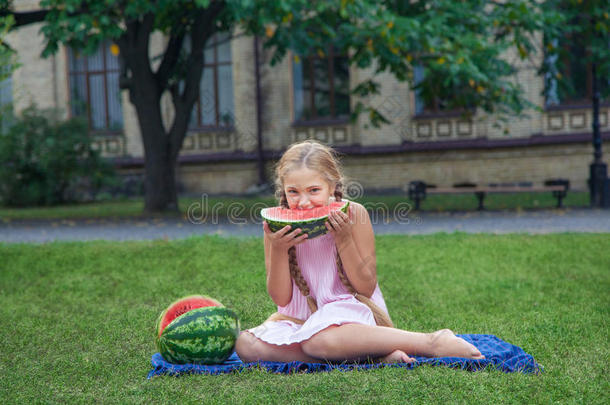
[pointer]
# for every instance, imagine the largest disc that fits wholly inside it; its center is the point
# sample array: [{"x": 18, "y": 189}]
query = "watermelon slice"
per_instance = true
[
  {"x": 182, "y": 306},
  {"x": 310, "y": 221}
]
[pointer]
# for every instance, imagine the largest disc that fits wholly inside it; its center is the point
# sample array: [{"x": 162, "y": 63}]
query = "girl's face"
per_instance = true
[{"x": 306, "y": 189}]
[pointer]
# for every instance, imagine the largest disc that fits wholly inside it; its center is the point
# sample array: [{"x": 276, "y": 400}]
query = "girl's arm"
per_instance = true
[{"x": 279, "y": 282}]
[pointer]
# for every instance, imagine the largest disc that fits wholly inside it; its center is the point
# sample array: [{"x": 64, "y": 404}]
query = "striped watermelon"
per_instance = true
[
  {"x": 201, "y": 336},
  {"x": 182, "y": 306},
  {"x": 312, "y": 222}
]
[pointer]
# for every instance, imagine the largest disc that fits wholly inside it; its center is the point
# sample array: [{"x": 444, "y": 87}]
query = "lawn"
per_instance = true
[
  {"x": 242, "y": 206},
  {"x": 78, "y": 318}
]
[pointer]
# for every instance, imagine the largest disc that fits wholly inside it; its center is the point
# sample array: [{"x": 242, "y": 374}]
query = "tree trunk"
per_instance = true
[
  {"x": 145, "y": 94},
  {"x": 159, "y": 161},
  {"x": 161, "y": 147},
  {"x": 160, "y": 184}
]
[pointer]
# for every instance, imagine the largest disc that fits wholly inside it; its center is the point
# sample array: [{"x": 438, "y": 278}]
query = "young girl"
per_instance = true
[{"x": 330, "y": 307}]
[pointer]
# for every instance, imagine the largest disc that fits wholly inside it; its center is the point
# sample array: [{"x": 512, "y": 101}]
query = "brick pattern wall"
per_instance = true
[
  {"x": 578, "y": 120},
  {"x": 45, "y": 81},
  {"x": 380, "y": 173}
]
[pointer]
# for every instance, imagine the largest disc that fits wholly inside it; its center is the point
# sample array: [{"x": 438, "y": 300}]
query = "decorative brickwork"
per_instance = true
[
  {"x": 223, "y": 160},
  {"x": 328, "y": 134},
  {"x": 571, "y": 120},
  {"x": 110, "y": 145}
]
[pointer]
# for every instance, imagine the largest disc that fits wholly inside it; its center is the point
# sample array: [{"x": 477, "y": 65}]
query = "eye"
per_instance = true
[{"x": 315, "y": 189}]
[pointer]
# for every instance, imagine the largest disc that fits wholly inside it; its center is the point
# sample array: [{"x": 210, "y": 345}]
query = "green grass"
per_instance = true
[
  {"x": 503, "y": 201},
  {"x": 125, "y": 207},
  {"x": 134, "y": 207},
  {"x": 78, "y": 318}
]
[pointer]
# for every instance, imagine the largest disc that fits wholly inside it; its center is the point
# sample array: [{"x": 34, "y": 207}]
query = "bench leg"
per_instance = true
[
  {"x": 481, "y": 197},
  {"x": 560, "y": 197}
]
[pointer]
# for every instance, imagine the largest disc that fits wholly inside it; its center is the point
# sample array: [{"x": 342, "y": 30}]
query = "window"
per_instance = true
[
  {"x": 6, "y": 96},
  {"x": 576, "y": 84},
  {"x": 6, "y": 86},
  {"x": 321, "y": 87},
  {"x": 435, "y": 106},
  {"x": 94, "y": 89},
  {"x": 215, "y": 106}
]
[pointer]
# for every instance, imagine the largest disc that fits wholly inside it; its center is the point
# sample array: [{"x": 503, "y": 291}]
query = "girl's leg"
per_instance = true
[
  {"x": 356, "y": 342},
  {"x": 250, "y": 348}
]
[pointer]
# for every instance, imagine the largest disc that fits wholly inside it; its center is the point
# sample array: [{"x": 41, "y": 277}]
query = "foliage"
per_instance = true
[
  {"x": 584, "y": 26},
  {"x": 462, "y": 46},
  {"x": 7, "y": 55},
  {"x": 46, "y": 161}
]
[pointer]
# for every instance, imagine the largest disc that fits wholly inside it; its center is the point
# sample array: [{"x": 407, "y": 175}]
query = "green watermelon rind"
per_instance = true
[
  {"x": 164, "y": 312},
  {"x": 186, "y": 342},
  {"x": 201, "y": 336},
  {"x": 312, "y": 227}
]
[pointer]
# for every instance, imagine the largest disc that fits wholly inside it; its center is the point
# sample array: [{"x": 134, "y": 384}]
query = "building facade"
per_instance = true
[{"x": 308, "y": 98}]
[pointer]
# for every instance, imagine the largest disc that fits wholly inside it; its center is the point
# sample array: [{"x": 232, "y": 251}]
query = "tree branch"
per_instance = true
[
  {"x": 170, "y": 58},
  {"x": 146, "y": 27},
  {"x": 203, "y": 29},
  {"x": 133, "y": 44},
  {"x": 25, "y": 17}
]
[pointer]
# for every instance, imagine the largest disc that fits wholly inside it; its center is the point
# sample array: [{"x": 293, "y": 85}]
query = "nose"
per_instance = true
[{"x": 304, "y": 203}]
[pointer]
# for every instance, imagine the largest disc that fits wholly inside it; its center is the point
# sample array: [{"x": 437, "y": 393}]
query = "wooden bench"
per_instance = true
[{"x": 418, "y": 190}]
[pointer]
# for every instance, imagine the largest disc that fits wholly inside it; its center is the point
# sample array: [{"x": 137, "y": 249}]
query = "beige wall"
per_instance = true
[
  {"x": 535, "y": 164},
  {"x": 37, "y": 81},
  {"x": 45, "y": 82},
  {"x": 384, "y": 172}
]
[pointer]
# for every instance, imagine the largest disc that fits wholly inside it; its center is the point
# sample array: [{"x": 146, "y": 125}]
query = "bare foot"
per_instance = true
[
  {"x": 397, "y": 356},
  {"x": 446, "y": 344}
]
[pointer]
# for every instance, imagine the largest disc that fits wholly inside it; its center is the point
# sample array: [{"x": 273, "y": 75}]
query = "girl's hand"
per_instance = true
[
  {"x": 340, "y": 225},
  {"x": 283, "y": 239}
]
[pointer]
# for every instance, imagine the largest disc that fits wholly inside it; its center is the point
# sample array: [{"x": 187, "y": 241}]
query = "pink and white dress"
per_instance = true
[{"x": 336, "y": 306}]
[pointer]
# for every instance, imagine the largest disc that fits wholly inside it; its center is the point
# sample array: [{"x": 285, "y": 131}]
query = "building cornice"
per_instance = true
[{"x": 359, "y": 150}]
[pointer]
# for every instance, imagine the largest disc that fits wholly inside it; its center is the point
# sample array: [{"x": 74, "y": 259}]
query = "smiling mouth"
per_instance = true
[{"x": 305, "y": 208}]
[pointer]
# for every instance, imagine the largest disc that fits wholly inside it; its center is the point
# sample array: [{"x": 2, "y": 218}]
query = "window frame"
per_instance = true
[
  {"x": 6, "y": 105},
  {"x": 565, "y": 57},
  {"x": 315, "y": 120},
  {"x": 197, "y": 108},
  {"x": 87, "y": 74},
  {"x": 436, "y": 112}
]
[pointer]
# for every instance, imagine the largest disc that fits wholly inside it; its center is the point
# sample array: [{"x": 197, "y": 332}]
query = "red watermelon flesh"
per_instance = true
[
  {"x": 311, "y": 222},
  {"x": 182, "y": 306},
  {"x": 286, "y": 214}
]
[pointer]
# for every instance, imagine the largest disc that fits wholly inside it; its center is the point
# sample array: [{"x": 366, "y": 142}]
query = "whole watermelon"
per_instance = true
[
  {"x": 182, "y": 306},
  {"x": 201, "y": 336}
]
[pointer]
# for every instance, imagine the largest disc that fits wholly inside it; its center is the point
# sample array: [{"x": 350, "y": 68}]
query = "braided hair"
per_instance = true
[{"x": 381, "y": 317}]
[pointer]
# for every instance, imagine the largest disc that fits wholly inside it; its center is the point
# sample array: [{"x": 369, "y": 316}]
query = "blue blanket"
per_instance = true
[{"x": 498, "y": 355}]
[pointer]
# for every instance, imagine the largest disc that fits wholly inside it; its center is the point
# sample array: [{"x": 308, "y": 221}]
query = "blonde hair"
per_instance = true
[{"x": 323, "y": 159}]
